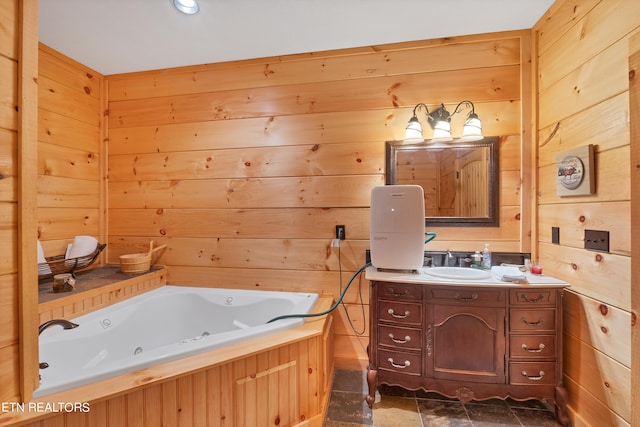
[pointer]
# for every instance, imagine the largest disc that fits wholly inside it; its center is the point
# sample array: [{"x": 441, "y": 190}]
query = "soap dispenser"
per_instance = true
[
  {"x": 477, "y": 259},
  {"x": 486, "y": 257}
]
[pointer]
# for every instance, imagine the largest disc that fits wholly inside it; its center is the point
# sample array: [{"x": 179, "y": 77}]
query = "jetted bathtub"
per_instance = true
[{"x": 158, "y": 326}]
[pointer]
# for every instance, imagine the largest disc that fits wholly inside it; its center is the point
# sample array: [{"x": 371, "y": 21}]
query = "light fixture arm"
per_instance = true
[
  {"x": 466, "y": 103},
  {"x": 417, "y": 107}
]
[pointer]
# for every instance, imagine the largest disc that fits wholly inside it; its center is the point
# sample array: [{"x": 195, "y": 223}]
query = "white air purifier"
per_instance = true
[{"x": 397, "y": 227}]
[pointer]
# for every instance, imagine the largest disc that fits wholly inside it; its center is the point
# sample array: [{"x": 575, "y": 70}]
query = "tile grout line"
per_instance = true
[{"x": 354, "y": 389}]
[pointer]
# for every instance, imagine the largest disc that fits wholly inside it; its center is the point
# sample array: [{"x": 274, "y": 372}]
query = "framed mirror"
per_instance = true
[{"x": 460, "y": 179}]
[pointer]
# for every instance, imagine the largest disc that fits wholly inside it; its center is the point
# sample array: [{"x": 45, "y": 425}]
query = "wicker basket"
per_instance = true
[
  {"x": 140, "y": 262},
  {"x": 59, "y": 264}
]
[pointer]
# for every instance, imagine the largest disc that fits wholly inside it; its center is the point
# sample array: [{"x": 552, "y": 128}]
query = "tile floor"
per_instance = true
[{"x": 395, "y": 406}]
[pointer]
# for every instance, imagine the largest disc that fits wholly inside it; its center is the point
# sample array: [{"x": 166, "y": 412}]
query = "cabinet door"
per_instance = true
[{"x": 468, "y": 343}]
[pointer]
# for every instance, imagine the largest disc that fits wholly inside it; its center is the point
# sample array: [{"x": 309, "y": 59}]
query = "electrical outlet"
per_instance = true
[
  {"x": 596, "y": 240},
  {"x": 341, "y": 232},
  {"x": 555, "y": 235}
]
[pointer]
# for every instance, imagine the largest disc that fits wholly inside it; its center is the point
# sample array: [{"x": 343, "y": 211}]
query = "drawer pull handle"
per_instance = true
[
  {"x": 406, "y": 364},
  {"x": 533, "y": 350},
  {"x": 399, "y": 316},
  {"x": 473, "y": 296},
  {"x": 393, "y": 292},
  {"x": 527, "y": 299},
  {"x": 397, "y": 341},
  {"x": 538, "y": 322},
  {"x": 533, "y": 378}
]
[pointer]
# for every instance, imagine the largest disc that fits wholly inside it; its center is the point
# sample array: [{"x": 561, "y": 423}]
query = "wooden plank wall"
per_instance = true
[
  {"x": 9, "y": 339},
  {"x": 18, "y": 116},
  {"x": 67, "y": 196},
  {"x": 243, "y": 169},
  {"x": 634, "y": 107},
  {"x": 583, "y": 98},
  {"x": 71, "y": 167}
]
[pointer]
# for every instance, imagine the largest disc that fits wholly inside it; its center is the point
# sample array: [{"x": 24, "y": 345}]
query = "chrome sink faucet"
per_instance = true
[
  {"x": 450, "y": 259},
  {"x": 64, "y": 323}
]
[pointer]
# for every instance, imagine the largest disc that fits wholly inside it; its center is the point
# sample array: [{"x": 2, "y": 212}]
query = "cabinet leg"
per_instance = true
[
  {"x": 561, "y": 406},
  {"x": 372, "y": 376}
]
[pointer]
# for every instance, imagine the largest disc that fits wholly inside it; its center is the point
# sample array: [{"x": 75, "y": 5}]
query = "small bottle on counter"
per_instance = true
[
  {"x": 477, "y": 259},
  {"x": 486, "y": 257}
]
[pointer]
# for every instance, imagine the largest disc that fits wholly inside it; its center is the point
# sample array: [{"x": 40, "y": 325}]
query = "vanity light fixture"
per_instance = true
[
  {"x": 440, "y": 121},
  {"x": 190, "y": 7}
]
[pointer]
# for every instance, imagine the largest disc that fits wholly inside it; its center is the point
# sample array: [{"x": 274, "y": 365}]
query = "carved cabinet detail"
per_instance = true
[{"x": 468, "y": 342}]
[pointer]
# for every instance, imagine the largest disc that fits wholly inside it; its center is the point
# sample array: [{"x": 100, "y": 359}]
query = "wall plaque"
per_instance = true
[{"x": 574, "y": 172}]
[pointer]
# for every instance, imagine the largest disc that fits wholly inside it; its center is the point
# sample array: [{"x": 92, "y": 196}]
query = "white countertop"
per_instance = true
[{"x": 420, "y": 277}]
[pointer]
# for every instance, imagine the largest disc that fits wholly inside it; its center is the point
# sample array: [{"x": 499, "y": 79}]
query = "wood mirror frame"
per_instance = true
[{"x": 492, "y": 143}]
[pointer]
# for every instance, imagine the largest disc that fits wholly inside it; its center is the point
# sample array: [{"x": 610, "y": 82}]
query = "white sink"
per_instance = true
[{"x": 459, "y": 273}]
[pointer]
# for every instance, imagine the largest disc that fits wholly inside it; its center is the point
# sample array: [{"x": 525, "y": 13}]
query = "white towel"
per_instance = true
[
  {"x": 44, "y": 268},
  {"x": 81, "y": 246},
  {"x": 66, "y": 254},
  {"x": 508, "y": 274}
]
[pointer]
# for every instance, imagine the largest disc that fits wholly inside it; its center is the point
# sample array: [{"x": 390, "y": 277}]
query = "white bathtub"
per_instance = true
[{"x": 159, "y": 326}]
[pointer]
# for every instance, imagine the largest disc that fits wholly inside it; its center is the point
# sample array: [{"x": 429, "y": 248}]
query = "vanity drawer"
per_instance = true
[
  {"x": 405, "y": 313},
  {"x": 532, "y": 346},
  {"x": 539, "y": 320},
  {"x": 400, "y": 291},
  {"x": 532, "y": 373},
  {"x": 463, "y": 295},
  {"x": 531, "y": 297},
  {"x": 398, "y": 361},
  {"x": 401, "y": 338}
]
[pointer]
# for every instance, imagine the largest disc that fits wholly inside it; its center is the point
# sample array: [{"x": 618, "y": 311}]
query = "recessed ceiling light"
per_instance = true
[{"x": 189, "y": 7}]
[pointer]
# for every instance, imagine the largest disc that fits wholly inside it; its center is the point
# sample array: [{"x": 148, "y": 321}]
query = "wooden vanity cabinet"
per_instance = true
[{"x": 468, "y": 342}]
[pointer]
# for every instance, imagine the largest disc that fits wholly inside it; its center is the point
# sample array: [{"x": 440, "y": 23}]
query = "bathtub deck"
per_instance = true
[
  {"x": 298, "y": 361},
  {"x": 89, "y": 280},
  {"x": 95, "y": 289}
]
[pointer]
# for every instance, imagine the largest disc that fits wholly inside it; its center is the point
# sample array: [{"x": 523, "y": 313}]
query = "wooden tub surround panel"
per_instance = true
[{"x": 282, "y": 379}]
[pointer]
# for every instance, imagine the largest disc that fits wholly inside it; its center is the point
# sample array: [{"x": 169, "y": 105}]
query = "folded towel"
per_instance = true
[
  {"x": 81, "y": 246},
  {"x": 43, "y": 268},
  {"x": 508, "y": 274},
  {"x": 66, "y": 254}
]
